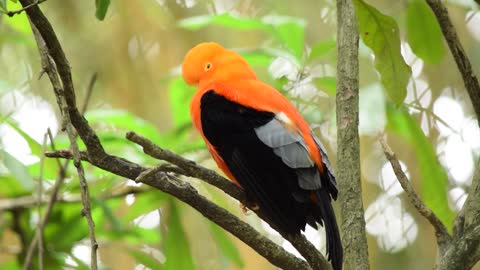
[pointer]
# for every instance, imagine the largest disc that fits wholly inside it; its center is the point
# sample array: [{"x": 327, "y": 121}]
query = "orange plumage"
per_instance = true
[{"x": 258, "y": 138}]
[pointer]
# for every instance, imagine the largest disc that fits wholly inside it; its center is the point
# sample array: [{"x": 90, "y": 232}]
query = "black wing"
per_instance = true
[{"x": 273, "y": 166}]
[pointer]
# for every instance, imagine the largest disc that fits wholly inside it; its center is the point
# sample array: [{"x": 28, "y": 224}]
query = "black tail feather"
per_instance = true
[{"x": 334, "y": 244}]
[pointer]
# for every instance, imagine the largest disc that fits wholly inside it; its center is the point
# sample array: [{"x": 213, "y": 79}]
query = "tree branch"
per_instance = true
[
  {"x": 443, "y": 237},
  {"x": 348, "y": 152},
  {"x": 191, "y": 169},
  {"x": 469, "y": 78},
  {"x": 15, "y": 12},
  {"x": 27, "y": 202},
  {"x": 462, "y": 252},
  {"x": 50, "y": 69}
]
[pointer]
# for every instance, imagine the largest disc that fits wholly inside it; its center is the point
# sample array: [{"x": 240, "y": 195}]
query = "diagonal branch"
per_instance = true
[
  {"x": 304, "y": 247},
  {"x": 443, "y": 237},
  {"x": 190, "y": 168},
  {"x": 186, "y": 193},
  {"x": 464, "y": 66}
]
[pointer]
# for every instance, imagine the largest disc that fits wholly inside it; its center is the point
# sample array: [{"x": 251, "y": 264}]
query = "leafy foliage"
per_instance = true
[
  {"x": 176, "y": 244},
  {"x": 381, "y": 34},
  {"x": 423, "y": 32},
  {"x": 434, "y": 180},
  {"x": 289, "y": 31},
  {"x": 101, "y": 8}
]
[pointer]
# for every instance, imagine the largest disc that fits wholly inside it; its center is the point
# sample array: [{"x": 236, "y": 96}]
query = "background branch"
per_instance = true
[
  {"x": 466, "y": 231},
  {"x": 463, "y": 63},
  {"x": 348, "y": 148},
  {"x": 443, "y": 237},
  {"x": 50, "y": 69}
]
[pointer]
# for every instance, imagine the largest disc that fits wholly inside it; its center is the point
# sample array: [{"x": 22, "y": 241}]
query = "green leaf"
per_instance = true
[
  {"x": 227, "y": 20},
  {"x": 11, "y": 264},
  {"x": 327, "y": 84},
  {"x": 177, "y": 249},
  {"x": 381, "y": 34},
  {"x": 18, "y": 169},
  {"x": 50, "y": 169},
  {"x": 146, "y": 259},
  {"x": 257, "y": 58},
  {"x": 66, "y": 227},
  {"x": 124, "y": 120},
  {"x": 144, "y": 203},
  {"x": 19, "y": 22},
  {"x": 322, "y": 48},
  {"x": 226, "y": 245},
  {"x": 107, "y": 213},
  {"x": 434, "y": 180},
  {"x": 180, "y": 95},
  {"x": 11, "y": 187},
  {"x": 423, "y": 32},
  {"x": 288, "y": 30},
  {"x": 3, "y": 5},
  {"x": 101, "y": 8}
]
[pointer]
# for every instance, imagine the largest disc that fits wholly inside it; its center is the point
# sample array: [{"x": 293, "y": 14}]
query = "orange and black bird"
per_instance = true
[{"x": 262, "y": 143}]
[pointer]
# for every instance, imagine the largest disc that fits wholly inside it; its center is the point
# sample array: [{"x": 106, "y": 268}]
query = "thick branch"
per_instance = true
[
  {"x": 55, "y": 50},
  {"x": 471, "y": 207},
  {"x": 190, "y": 168},
  {"x": 469, "y": 78},
  {"x": 443, "y": 237},
  {"x": 348, "y": 153},
  {"x": 467, "y": 222},
  {"x": 463, "y": 252},
  {"x": 304, "y": 247},
  {"x": 186, "y": 193}
]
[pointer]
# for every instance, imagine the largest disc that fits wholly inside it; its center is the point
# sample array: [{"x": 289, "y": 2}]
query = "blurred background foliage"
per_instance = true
[{"x": 410, "y": 88}]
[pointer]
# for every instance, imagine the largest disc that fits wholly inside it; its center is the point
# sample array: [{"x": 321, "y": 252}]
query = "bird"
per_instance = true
[{"x": 263, "y": 144}]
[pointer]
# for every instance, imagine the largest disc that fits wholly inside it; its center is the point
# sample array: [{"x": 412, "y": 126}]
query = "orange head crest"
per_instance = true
[{"x": 209, "y": 62}]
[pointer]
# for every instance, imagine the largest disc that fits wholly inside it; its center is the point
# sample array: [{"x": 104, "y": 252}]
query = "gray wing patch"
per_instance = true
[
  {"x": 288, "y": 146},
  {"x": 309, "y": 178},
  {"x": 323, "y": 153},
  {"x": 295, "y": 155},
  {"x": 331, "y": 185},
  {"x": 274, "y": 134}
]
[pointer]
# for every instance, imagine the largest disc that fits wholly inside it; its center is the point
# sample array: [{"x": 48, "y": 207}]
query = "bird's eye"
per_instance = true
[{"x": 208, "y": 66}]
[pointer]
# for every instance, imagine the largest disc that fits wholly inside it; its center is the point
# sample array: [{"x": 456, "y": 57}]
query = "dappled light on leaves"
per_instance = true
[{"x": 393, "y": 227}]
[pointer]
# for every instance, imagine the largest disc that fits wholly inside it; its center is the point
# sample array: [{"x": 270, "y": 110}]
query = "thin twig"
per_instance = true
[
  {"x": 93, "y": 79},
  {"x": 443, "y": 237},
  {"x": 27, "y": 202},
  {"x": 463, "y": 63},
  {"x": 53, "y": 198},
  {"x": 39, "y": 204},
  {"x": 12, "y": 13}
]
